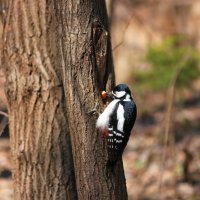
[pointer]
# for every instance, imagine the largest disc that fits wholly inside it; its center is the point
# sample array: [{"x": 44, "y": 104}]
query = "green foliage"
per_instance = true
[
  {"x": 179, "y": 169},
  {"x": 164, "y": 60},
  {"x": 140, "y": 164}
]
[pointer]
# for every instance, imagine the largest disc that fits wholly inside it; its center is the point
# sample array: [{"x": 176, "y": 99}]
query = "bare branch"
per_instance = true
[
  {"x": 169, "y": 112},
  {"x": 3, "y": 124},
  {"x": 4, "y": 114}
]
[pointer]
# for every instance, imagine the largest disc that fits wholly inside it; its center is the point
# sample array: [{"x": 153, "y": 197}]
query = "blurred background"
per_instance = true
[{"x": 156, "y": 48}]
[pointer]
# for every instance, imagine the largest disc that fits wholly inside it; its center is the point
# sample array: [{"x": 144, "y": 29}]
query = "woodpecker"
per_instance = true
[{"x": 117, "y": 121}]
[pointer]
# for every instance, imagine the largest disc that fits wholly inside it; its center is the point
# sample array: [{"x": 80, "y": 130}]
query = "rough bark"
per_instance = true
[
  {"x": 40, "y": 143},
  {"x": 87, "y": 70}
]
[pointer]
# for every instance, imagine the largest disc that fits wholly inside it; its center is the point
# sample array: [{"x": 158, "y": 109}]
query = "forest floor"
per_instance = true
[{"x": 154, "y": 171}]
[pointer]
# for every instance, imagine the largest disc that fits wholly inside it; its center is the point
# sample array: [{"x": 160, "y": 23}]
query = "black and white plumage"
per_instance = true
[{"x": 117, "y": 121}]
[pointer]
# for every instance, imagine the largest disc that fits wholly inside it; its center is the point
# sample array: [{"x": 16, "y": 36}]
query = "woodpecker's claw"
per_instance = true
[{"x": 95, "y": 109}]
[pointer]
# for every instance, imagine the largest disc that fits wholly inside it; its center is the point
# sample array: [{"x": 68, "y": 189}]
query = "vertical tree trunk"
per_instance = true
[
  {"x": 110, "y": 9},
  {"x": 87, "y": 70},
  {"x": 58, "y": 58},
  {"x": 40, "y": 143}
]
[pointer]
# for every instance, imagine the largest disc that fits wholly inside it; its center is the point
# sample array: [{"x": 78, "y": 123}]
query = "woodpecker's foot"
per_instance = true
[
  {"x": 105, "y": 133},
  {"x": 94, "y": 110}
]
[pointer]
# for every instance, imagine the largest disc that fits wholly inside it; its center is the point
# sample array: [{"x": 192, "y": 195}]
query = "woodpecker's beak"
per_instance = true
[
  {"x": 110, "y": 95},
  {"x": 105, "y": 95}
]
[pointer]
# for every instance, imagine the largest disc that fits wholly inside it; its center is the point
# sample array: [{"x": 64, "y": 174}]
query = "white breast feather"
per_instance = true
[
  {"x": 120, "y": 118},
  {"x": 103, "y": 120}
]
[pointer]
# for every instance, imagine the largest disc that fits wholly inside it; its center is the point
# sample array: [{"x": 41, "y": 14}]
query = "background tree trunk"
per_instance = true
[
  {"x": 40, "y": 143},
  {"x": 57, "y": 56},
  {"x": 3, "y": 107}
]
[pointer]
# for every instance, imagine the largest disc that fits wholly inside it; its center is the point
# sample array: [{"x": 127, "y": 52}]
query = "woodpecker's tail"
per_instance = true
[{"x": 111, "y": 165}]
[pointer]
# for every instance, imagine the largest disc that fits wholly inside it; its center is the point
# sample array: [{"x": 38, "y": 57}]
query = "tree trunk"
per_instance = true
[
  {"x": 3, "y": 12},
  {"x": 87, "y": 70},
  {"x": 57, "y": 56},
  {"x": 40, "y": 143}
]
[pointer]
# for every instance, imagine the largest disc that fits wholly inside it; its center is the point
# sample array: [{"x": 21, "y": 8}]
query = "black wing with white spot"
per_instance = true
[{"x": 117, "y": 139}]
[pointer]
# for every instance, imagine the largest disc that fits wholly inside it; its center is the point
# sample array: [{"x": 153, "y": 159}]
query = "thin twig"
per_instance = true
[
  {"x": 168, "y": 122},
  {"x": 4, "y": 114},
  {"x": 3, "y": 124},
  {"x": 139, "y": 21},
  {"x": 123, "y": 37}
]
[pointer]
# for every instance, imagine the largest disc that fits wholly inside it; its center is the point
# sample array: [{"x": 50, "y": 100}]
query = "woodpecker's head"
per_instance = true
[{"x": 121, "y": 91}]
